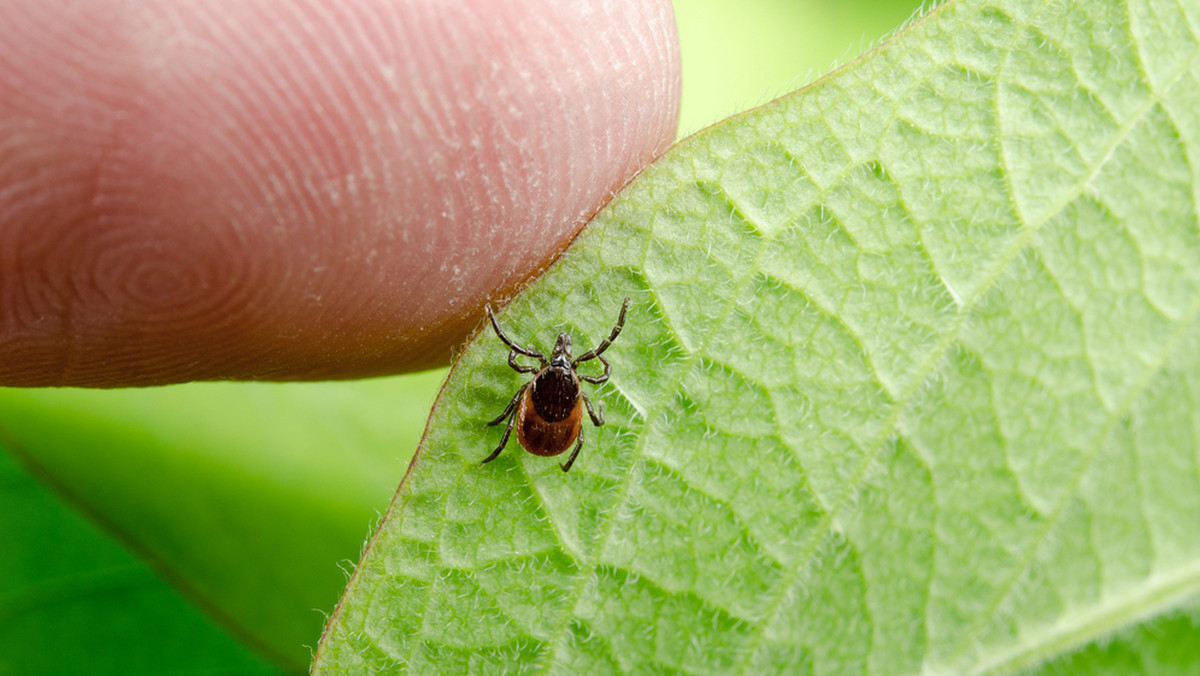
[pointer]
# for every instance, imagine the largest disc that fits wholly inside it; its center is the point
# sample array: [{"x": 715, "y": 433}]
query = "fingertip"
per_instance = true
[{"x": 266, "y": 190}]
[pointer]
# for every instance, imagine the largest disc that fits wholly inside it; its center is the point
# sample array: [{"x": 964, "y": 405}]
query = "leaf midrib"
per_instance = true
[{"x": 1157, "y": 593}]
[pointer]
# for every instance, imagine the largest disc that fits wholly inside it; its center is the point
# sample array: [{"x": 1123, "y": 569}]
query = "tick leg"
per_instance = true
[
  {"x": 607, "y": 341},
  {"x": 598, "y": 380},
  {"x": 597, "y": 418},
  {"x": 508, "y": 429},
  {"x": 575, "y": 453},
  {"x": 503, "y": 442},
  {"x": 511, "y": 405},
  {"x": 513, "y": 346},
  {"x": 512, "y": 361}
]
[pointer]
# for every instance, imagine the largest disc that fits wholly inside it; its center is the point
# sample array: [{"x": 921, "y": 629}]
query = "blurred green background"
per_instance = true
[
  {"x": 165, "y": 530},
  {"x": 740, "y": 55}
]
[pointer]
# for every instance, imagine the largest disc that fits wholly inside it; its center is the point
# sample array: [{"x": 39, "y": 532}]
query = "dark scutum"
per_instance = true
[{"x": 555, "y": 394}]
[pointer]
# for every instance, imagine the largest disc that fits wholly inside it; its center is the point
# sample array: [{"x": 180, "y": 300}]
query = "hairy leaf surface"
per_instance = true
[{"x": 909, "y": 384}]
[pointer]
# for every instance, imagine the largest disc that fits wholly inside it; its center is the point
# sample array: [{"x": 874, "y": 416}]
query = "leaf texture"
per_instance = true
[{"x": 909, "y": 385}]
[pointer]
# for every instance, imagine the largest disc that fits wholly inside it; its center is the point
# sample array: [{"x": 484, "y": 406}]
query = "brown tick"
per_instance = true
[{"x": 548, "y": 410}]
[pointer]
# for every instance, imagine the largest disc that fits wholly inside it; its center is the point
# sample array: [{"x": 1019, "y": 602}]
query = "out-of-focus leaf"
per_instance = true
[{"x": 246, "y": 496}]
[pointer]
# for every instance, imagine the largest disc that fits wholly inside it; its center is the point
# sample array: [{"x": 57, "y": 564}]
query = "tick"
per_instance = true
[{"x": 548, "y": 410}]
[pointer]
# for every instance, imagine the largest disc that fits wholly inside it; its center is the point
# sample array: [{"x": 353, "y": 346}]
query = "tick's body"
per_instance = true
[
  {"x": 539, "y": 433},
  {"x": 548, "y": 410}
]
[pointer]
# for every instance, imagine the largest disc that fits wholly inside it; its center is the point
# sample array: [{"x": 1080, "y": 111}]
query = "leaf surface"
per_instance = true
[
  {"x": 909, "y": 385},
  {"x": 71, "y": 599},
  {"x": 247, "y": 497}
]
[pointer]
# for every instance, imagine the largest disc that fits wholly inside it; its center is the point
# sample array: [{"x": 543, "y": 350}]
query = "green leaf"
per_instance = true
[
  {"x": 908, "y": 385},
  {"x": 247, "y": 497},
  {"x": 71, "y": 599}
]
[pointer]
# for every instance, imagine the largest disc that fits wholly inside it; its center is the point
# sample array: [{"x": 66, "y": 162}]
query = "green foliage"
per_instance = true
[
  {"x": 70, "y": 596},
  {"x": 909, "y": 385},
  {"x": 245, "y": 496}
]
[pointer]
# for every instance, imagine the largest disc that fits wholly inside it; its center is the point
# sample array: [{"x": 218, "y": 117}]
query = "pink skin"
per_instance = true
[{"x": 302, "y": 189}]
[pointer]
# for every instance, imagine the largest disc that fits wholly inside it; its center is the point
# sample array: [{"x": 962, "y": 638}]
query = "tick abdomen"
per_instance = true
[{"x": 542, "y": 437}]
